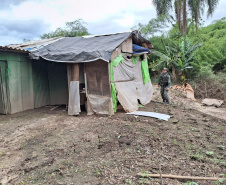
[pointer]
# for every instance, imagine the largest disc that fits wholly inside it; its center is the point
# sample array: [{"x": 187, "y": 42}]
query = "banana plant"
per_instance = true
[{"x": 177, "y": 57}]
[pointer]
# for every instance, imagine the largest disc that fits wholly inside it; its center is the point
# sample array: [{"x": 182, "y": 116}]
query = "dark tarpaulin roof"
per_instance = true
[{"x": 85, "y": 49}]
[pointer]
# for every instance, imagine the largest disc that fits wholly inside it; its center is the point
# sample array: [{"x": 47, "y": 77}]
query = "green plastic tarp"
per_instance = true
[
  {"x": 117, "y": 60},
  {"x": 114, "y": 63},
  {"x": 145, "y": 71},
  {"x": 135, "y": 59},
  {"x": 114, "y": 97}
]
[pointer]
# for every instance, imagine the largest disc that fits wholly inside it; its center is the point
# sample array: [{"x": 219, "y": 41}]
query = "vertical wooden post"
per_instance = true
[
  {"x": 72, "y": 73},
  {"x": 85, "y": 78},
  {"x": 75, "y": 72}
]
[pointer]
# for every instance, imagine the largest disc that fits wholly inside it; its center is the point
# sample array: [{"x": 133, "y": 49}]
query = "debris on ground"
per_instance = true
[
  {"x": 212, "y": 102},
  {"x": 151, "y": 114},
  {"x": 186, "y": 89}
]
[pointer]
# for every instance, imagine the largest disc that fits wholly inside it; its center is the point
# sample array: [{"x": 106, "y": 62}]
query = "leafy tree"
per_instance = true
[
  {"x": 168, "y": 58},
  {"x": 156, "y": 25},
  {"x": 213, "y": 49},
  {"x": 152, "y": 31},
  {"x": 181, "y": 7},
  {"x": 175, "y": 34},
  {"x": 213, "y": 38},
  {"x": 197, "y": 8},
  {"x": 177, "y": 56},
  {"x": 72, "y": 29}
]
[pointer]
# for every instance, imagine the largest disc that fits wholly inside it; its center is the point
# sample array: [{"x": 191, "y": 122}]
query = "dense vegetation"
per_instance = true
[
  {"x": 196, "y": 55},
  {"x": 196, "y": 8},
  {"x": 189, "y": 50},
  {"x": 214, "y": 39}
]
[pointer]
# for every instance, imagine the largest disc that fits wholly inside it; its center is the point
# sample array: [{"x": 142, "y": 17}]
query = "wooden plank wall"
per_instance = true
[{"x": 125, "y": 47}]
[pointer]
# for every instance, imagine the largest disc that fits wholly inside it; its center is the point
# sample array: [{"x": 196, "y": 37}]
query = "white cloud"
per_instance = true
[
  {"x": 112, "y": 15},
  {"x": 102, "y": 16},
  {"x": 126, "y": 21}
]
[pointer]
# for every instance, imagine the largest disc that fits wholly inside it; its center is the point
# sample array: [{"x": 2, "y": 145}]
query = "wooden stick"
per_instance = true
[
  {"x": 160, "y": 174},
  {"x": 177, "y": 176},
  {"x": 55, "y": 107}
]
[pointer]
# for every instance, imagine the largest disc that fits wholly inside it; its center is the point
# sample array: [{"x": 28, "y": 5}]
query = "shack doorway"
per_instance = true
[
  {"x": 4, "y": 99},
  {"x": 77, "y": 88}
]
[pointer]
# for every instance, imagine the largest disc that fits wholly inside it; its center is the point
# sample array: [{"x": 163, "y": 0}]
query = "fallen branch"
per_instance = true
[{"x": 177, "y": 176}]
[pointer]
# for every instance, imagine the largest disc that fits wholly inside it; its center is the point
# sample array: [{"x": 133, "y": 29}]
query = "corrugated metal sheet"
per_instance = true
[
  {"x": 90, "y": 36},
  {"x": 34, "y": 45},
  {"x": 7, "y": 48},
  {"x": 29, "y": 46}
]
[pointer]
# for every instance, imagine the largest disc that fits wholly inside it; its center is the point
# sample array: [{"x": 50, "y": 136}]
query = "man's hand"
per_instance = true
[{"x": 168, "y": 89}]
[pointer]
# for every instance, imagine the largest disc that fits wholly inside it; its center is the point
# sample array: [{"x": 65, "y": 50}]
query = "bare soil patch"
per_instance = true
[
  {"x": 210, "y": 89},
  {"x": 49, "y": 147}
]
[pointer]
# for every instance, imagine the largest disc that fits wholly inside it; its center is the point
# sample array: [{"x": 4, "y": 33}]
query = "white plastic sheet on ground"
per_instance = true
[{"x": 151, "y": 114}]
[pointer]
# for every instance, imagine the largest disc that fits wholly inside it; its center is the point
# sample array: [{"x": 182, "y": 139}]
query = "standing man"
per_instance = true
[{"x": 165, "y": 82}]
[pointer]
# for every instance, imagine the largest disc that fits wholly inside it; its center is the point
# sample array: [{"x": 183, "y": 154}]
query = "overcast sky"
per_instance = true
[{"x": 28, "y": 19}]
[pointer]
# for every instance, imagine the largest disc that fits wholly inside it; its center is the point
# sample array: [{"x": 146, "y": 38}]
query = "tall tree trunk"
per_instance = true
[
  {"x": 184, "y": 17},
  {"x": 196, "y": 24},
  {"x": 197, "y": 17},
  {"x": 178, "y": 12}
]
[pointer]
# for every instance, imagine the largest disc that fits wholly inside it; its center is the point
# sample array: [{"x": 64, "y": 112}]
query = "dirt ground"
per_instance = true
[
  {"x": 49, "y": 147},
  {"x": 210, "y": 89}
]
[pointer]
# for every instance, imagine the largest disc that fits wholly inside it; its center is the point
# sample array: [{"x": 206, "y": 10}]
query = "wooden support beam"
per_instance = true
[
  {"x": 75, "y": 72},
  {"x": 72, "y": 73}
]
